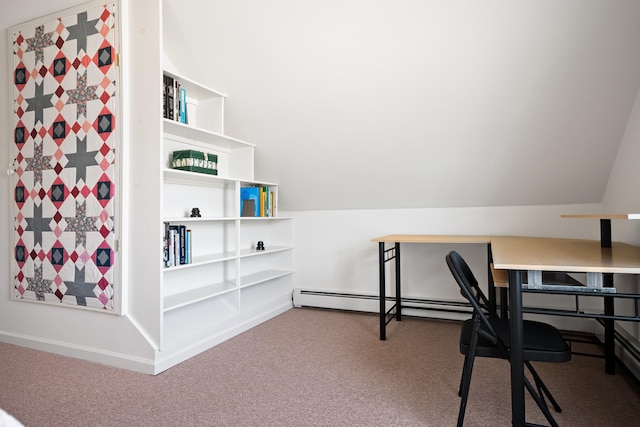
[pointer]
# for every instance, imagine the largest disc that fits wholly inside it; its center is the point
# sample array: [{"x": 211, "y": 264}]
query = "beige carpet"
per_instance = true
[{"x": 307, "y": 367}]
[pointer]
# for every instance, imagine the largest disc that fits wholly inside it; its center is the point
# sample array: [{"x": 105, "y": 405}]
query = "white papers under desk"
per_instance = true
[
  {"x": 568, "y": 288},
  {"x": 562, "y": 282}
]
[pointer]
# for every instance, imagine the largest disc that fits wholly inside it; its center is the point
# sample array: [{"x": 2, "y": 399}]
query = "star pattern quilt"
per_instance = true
[{"x": 65, "y": 141}]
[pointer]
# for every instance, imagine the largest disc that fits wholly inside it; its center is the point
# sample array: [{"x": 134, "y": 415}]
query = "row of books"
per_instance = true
[
  {"x": 174, "y": 100},
  {"x": 257, "y": 201},
  {"x": 177, "y": 245}
]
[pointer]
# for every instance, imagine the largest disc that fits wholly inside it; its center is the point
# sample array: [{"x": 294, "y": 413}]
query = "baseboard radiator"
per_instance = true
[
  {"x": 420, "y": 307},
  {"x": 627, "y": 347}
]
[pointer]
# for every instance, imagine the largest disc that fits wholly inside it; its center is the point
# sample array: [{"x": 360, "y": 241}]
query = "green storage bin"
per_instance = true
[{"x": 195, "y": 161}]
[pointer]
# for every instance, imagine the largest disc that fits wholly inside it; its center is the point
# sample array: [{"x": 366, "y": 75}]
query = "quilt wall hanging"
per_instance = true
[{"x": 65, "y": 142}]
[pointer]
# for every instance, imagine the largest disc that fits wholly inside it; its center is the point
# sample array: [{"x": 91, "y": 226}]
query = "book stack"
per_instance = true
[
  {"x": 257, "y": 201},
  {"x": 195, "y": 161},
  {"x": 174, "y": 100},
  {"x": 177, "y": 245}
]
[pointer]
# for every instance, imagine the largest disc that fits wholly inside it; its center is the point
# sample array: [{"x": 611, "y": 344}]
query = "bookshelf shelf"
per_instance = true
[
  {"x": 187, "y": 219},
  {"x": 193, "y": 178},
  {"x": 193, "y": 296},
  {"x": 195, "y": 89},
  {"x": 262, "y": 277},
  {"x": 270, "y": 250},
  {"x": 203, "y": 260},
  {"x": 204, "y": 136}
]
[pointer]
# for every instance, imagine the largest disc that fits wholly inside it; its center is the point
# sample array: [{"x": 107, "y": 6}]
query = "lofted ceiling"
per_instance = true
[{"x": 362, "y": 104}]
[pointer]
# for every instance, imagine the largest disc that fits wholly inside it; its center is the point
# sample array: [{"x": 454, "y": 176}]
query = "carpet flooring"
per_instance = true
[{"x": 308, "y": 367}]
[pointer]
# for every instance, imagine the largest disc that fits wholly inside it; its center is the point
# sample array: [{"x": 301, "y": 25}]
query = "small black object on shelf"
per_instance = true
[
  {"x": 195, "y": 213},
  {"x": 260, "y": 246}
]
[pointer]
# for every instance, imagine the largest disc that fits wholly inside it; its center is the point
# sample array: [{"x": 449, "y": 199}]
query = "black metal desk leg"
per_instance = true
[
  {"x": 504, "y": 307},
  {"x": 517, "y": 359},
  {"x": 490, "y": 283},
  {"x": 383, "y": 324},
  {"x": 605, "y": 233},
  {"x": 398, "y": 292},
  {"x": 609, "y": 328},
  {"x": 609, "y": 309}
]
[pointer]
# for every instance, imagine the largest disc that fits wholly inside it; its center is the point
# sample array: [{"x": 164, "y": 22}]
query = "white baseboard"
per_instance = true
[
  {"x": 335, "y": 300},
  {"x": 96, "y": 355}
]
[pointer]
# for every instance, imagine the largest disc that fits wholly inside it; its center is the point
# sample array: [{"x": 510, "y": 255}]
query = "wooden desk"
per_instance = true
[
  {"x": 393, "y": 253},
  {"x": 602, "y": 216},
  {"x": 517, "y": 254},
  {"x": 431, "y": 238}
]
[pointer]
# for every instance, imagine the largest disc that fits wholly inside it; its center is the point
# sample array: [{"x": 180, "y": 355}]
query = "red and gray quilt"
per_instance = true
[{"x": 64, "y": 110}]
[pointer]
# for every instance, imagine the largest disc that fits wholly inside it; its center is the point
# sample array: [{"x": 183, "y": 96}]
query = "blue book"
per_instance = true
[
  {"x": 250, "y": 201},
  {"x": 183, "y": 105},
  {"x": 188, "y": 247}
]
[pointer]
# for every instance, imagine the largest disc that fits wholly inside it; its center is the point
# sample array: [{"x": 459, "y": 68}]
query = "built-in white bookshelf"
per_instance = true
[{"x": 229, "y": 285}]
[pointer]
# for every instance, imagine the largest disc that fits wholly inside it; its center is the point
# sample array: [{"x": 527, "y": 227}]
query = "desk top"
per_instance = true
[
  {"x": 569, "y": 255},
  {"x": 430, "y": 238},
  {"x": 602, "y": 216}
]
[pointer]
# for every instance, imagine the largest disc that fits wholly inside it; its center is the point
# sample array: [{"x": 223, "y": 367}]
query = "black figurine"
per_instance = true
[
  {"x": 195, "y": 213},
  {"x": 260, "y": 246}
]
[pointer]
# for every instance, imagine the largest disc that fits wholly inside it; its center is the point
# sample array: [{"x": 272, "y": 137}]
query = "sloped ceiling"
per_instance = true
[{"x": 358, "y": 104}]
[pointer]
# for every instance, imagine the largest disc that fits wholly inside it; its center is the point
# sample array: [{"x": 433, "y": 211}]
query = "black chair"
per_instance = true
[{"x": 487, "y": 335}]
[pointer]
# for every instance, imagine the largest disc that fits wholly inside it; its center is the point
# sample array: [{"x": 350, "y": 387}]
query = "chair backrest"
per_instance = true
[
  {"x": 470, "y": 290},
  {"x": 468, "y": 283}
]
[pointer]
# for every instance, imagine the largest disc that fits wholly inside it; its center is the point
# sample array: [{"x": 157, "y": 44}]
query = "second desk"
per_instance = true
[{"x": 387, "y": 254}]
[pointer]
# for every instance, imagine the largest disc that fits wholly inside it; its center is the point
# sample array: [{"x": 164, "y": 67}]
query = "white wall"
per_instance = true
[
  {"x": 623, "y": 189},
  {"x": 334, "y": 251},
  {"x": 378, "y": 104}
]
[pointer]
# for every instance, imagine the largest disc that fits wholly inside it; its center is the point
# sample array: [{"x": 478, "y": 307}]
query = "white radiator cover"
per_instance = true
[{"x": 435, "y": 309}]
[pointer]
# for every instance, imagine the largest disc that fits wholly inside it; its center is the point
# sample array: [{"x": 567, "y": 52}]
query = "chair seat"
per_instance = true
[{"x": 542, "y": 342}]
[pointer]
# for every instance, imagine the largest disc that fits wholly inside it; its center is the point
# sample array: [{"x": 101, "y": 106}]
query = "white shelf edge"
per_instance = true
[
  {"x": 191, "y": 82},
  {"x": 258, "y": 182},
  {"x": 184, "y": 128},
  {"x": 225, "y": 218},
  {"x": 177, "y": 219},
  {"x": 263, "y": 218},
  {"x": 245, "y": 253},
  {"x": 261, "y": 277},
  {"x": 186, "y": 177},
  {"x": 203, "y": 260},
  {"x": 192, "y": 296}
]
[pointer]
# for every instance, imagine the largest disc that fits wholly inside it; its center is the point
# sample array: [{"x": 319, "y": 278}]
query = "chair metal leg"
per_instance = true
[
  {"x": 466, "y": 358},
  {"x": 542, "y": 388},
  {"x": 464, "y": 393},
  {"x": 466, "y": 377},
  {"x": 542, "y": 405}
]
